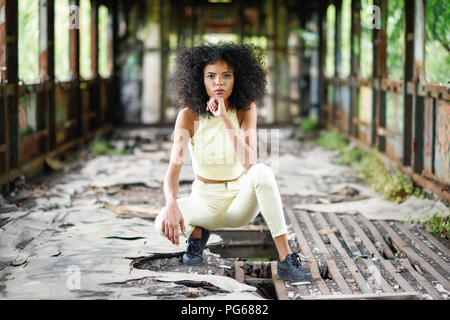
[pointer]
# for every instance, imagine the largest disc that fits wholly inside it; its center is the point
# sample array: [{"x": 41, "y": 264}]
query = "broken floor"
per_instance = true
[{"x": 85, "y": 231}]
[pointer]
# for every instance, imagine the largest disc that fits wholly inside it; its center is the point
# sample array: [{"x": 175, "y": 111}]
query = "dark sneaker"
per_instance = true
[
  {"x": 194, "y": 250},
  {"x": 292, "y": 270}
]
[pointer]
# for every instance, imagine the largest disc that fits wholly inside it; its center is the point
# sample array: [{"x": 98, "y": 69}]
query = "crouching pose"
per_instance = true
[{"x": 218, "y": 86}]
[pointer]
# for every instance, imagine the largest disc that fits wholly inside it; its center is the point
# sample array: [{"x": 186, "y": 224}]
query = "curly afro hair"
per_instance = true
[{"x": 246, "y": 62}]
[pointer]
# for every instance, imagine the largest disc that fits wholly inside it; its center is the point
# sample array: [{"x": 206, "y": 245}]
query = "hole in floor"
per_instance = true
[{"x": 246, "y": 244}]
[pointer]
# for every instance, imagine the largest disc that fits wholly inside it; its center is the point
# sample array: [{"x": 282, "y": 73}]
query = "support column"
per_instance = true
[
  {"x": 47, "y": 70},
  {"x": 408, "y": 76},
  {"x": 74, "y": 45},
  {"x": 322, "y": 58},
  {"x": 282, "y": 87},
  {"x": 337, "y": 61},
  {"x": 152, "y": 65},
  {"x": 419, "y": 78},
  {"x": 355, "y": 59},
  {"x": 379, "y": 72},
  {"x": 10, "y": 65}
]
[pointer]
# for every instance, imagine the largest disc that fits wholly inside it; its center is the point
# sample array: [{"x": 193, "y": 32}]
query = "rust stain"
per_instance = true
[{"x": 443, "y": 128}]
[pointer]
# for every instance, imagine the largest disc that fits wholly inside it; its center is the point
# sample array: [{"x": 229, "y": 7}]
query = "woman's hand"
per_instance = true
[
  {"x": 217, "y": 107},
  {"x": 171, "y": 221}
]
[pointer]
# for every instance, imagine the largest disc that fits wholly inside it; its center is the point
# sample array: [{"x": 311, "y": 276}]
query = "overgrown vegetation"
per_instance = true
[
  {"x": 435, "y": 224},
  {"x": 100, "y": 146},
  {"x": 393, "y": 185},
  {"x": 309, "y": 125}
]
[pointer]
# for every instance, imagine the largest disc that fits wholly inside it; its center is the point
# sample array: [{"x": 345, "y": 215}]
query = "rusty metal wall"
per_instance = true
[
  {"x": 407, "y": 120},
  {"x": 44, "y": 119}
]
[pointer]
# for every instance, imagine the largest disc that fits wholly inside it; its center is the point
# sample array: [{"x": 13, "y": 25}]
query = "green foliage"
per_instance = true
[
  {"x": 350, "y": 155},
  {"x": 437, "y": 45},
  {"x": 256, "y": 259},
  {"x": 309, "y": 124},
  {"x": 62, "y": 27},
  {"x": 100, "y": 146},
  {"x": 332, "y": 140},
  {"x": 28, "y": 40},
  {"x": 435, "y": 224},
  {"x": 395, "y": 39},
  {"x": 394, "y": 186}
]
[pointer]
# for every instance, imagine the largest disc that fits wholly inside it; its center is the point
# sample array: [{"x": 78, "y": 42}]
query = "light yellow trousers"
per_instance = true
[{"x": 233, "y": 204}]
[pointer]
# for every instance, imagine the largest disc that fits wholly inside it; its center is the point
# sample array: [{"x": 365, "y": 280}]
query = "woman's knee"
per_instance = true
[{"x": 261, "y": 175}]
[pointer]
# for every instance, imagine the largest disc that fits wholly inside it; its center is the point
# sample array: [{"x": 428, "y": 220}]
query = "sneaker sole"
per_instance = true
[{"x": 300, "y": 281}]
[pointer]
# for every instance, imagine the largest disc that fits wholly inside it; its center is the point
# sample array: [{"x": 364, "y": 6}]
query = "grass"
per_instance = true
[
  {"x": 309, "y": 125},
  {"x": 393, "y": 185},
  {"x": 435, "y": 224},
  {"x": 100, "y": 146}
]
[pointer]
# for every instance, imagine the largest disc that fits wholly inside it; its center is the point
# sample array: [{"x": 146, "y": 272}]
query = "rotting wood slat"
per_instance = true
[
  {"x": 333, "y": 239},
  {"x": 387, "y": 251},
  {"x": 369, "y": 296},
  {"x": 238, "y": 271},
  {"x": 421, "y": 280},
  {"x": 435, "y": 242},
  {"x": 278, "y": 283},
  {"x": 221, "y": 270},
  {"x": 337, "y": 277},
  {"x": 344, "y": 253},
  {"x": 423, "y": 247},
  {"x": 383, "y": 284},
  {"x": 314, "y": 269},
  {"x": 345, "y": 235},
  {"x": 351, "y": 266},
  {"x": 316, "y": 237},
  {"x": 414, "y": 256},
  {"x": 303, "y": 291},
  {"x": 386, "y": 264}
]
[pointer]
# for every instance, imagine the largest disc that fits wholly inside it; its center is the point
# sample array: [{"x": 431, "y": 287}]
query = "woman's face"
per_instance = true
[{"x": 219, "y": 79}]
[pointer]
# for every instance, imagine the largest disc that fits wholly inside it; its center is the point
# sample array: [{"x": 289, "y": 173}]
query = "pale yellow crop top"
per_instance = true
[{"x": 211, "y": 149}]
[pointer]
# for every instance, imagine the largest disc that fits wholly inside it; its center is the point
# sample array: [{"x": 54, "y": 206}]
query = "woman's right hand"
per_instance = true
[{"x": 173, "y": 219}]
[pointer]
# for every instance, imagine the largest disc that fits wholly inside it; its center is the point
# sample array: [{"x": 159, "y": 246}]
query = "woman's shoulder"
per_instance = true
[{"x": 186, "y": 118}]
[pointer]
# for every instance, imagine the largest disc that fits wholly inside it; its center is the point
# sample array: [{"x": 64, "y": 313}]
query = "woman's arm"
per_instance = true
[
  {"x": 244, "y": 140},
  {"x": 172, "y": 216}
]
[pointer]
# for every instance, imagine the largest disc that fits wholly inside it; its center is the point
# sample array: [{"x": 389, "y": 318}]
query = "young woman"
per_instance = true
[{"x": 218, "y": 86}]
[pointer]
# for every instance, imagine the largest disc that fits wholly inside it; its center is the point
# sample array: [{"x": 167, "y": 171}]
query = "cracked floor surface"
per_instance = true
[{"x": 85, "y": 230}]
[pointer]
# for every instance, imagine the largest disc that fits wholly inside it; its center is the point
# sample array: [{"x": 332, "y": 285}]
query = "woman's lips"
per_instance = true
[{"x": 219, "y": 91}]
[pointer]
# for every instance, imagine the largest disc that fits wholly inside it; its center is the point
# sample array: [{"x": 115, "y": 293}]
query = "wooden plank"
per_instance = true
[
  {"x": 344, "y": 254},
  {"x": 421, "y": 280},
  {"x": 345, "y": 235},
  {"x": 368, "y": 296},
  {"x": 333, "y": 239},
  {"x": 314, "y": 269},
  {"x": 439, "y": 245},
  {"x": 337, "y": 277},
  {"x": 278, "y": 283},
  {"x": 238, "y": 271},
  {"x": 386, "y": 264},
  {"x": 351, "y": 266},
  {"x": 317, "y": 239},
  {"x": 382, "y": 284},
  {"x": 414, "y": 256},
  {"x": 444, "y": 264},
  {"x": 387, "y": 251},
  {"x": 221, "y": 270}
]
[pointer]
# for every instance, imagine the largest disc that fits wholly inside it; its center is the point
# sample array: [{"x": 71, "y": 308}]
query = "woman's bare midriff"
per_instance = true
[{"x": 217, "y": 181}]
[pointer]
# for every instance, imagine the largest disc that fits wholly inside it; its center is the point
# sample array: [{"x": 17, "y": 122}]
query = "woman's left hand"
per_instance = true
[{"x": 217, "y": 107}]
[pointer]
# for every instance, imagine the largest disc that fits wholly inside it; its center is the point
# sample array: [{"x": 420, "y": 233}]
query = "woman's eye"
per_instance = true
[{"x": 210, "y": 76}]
